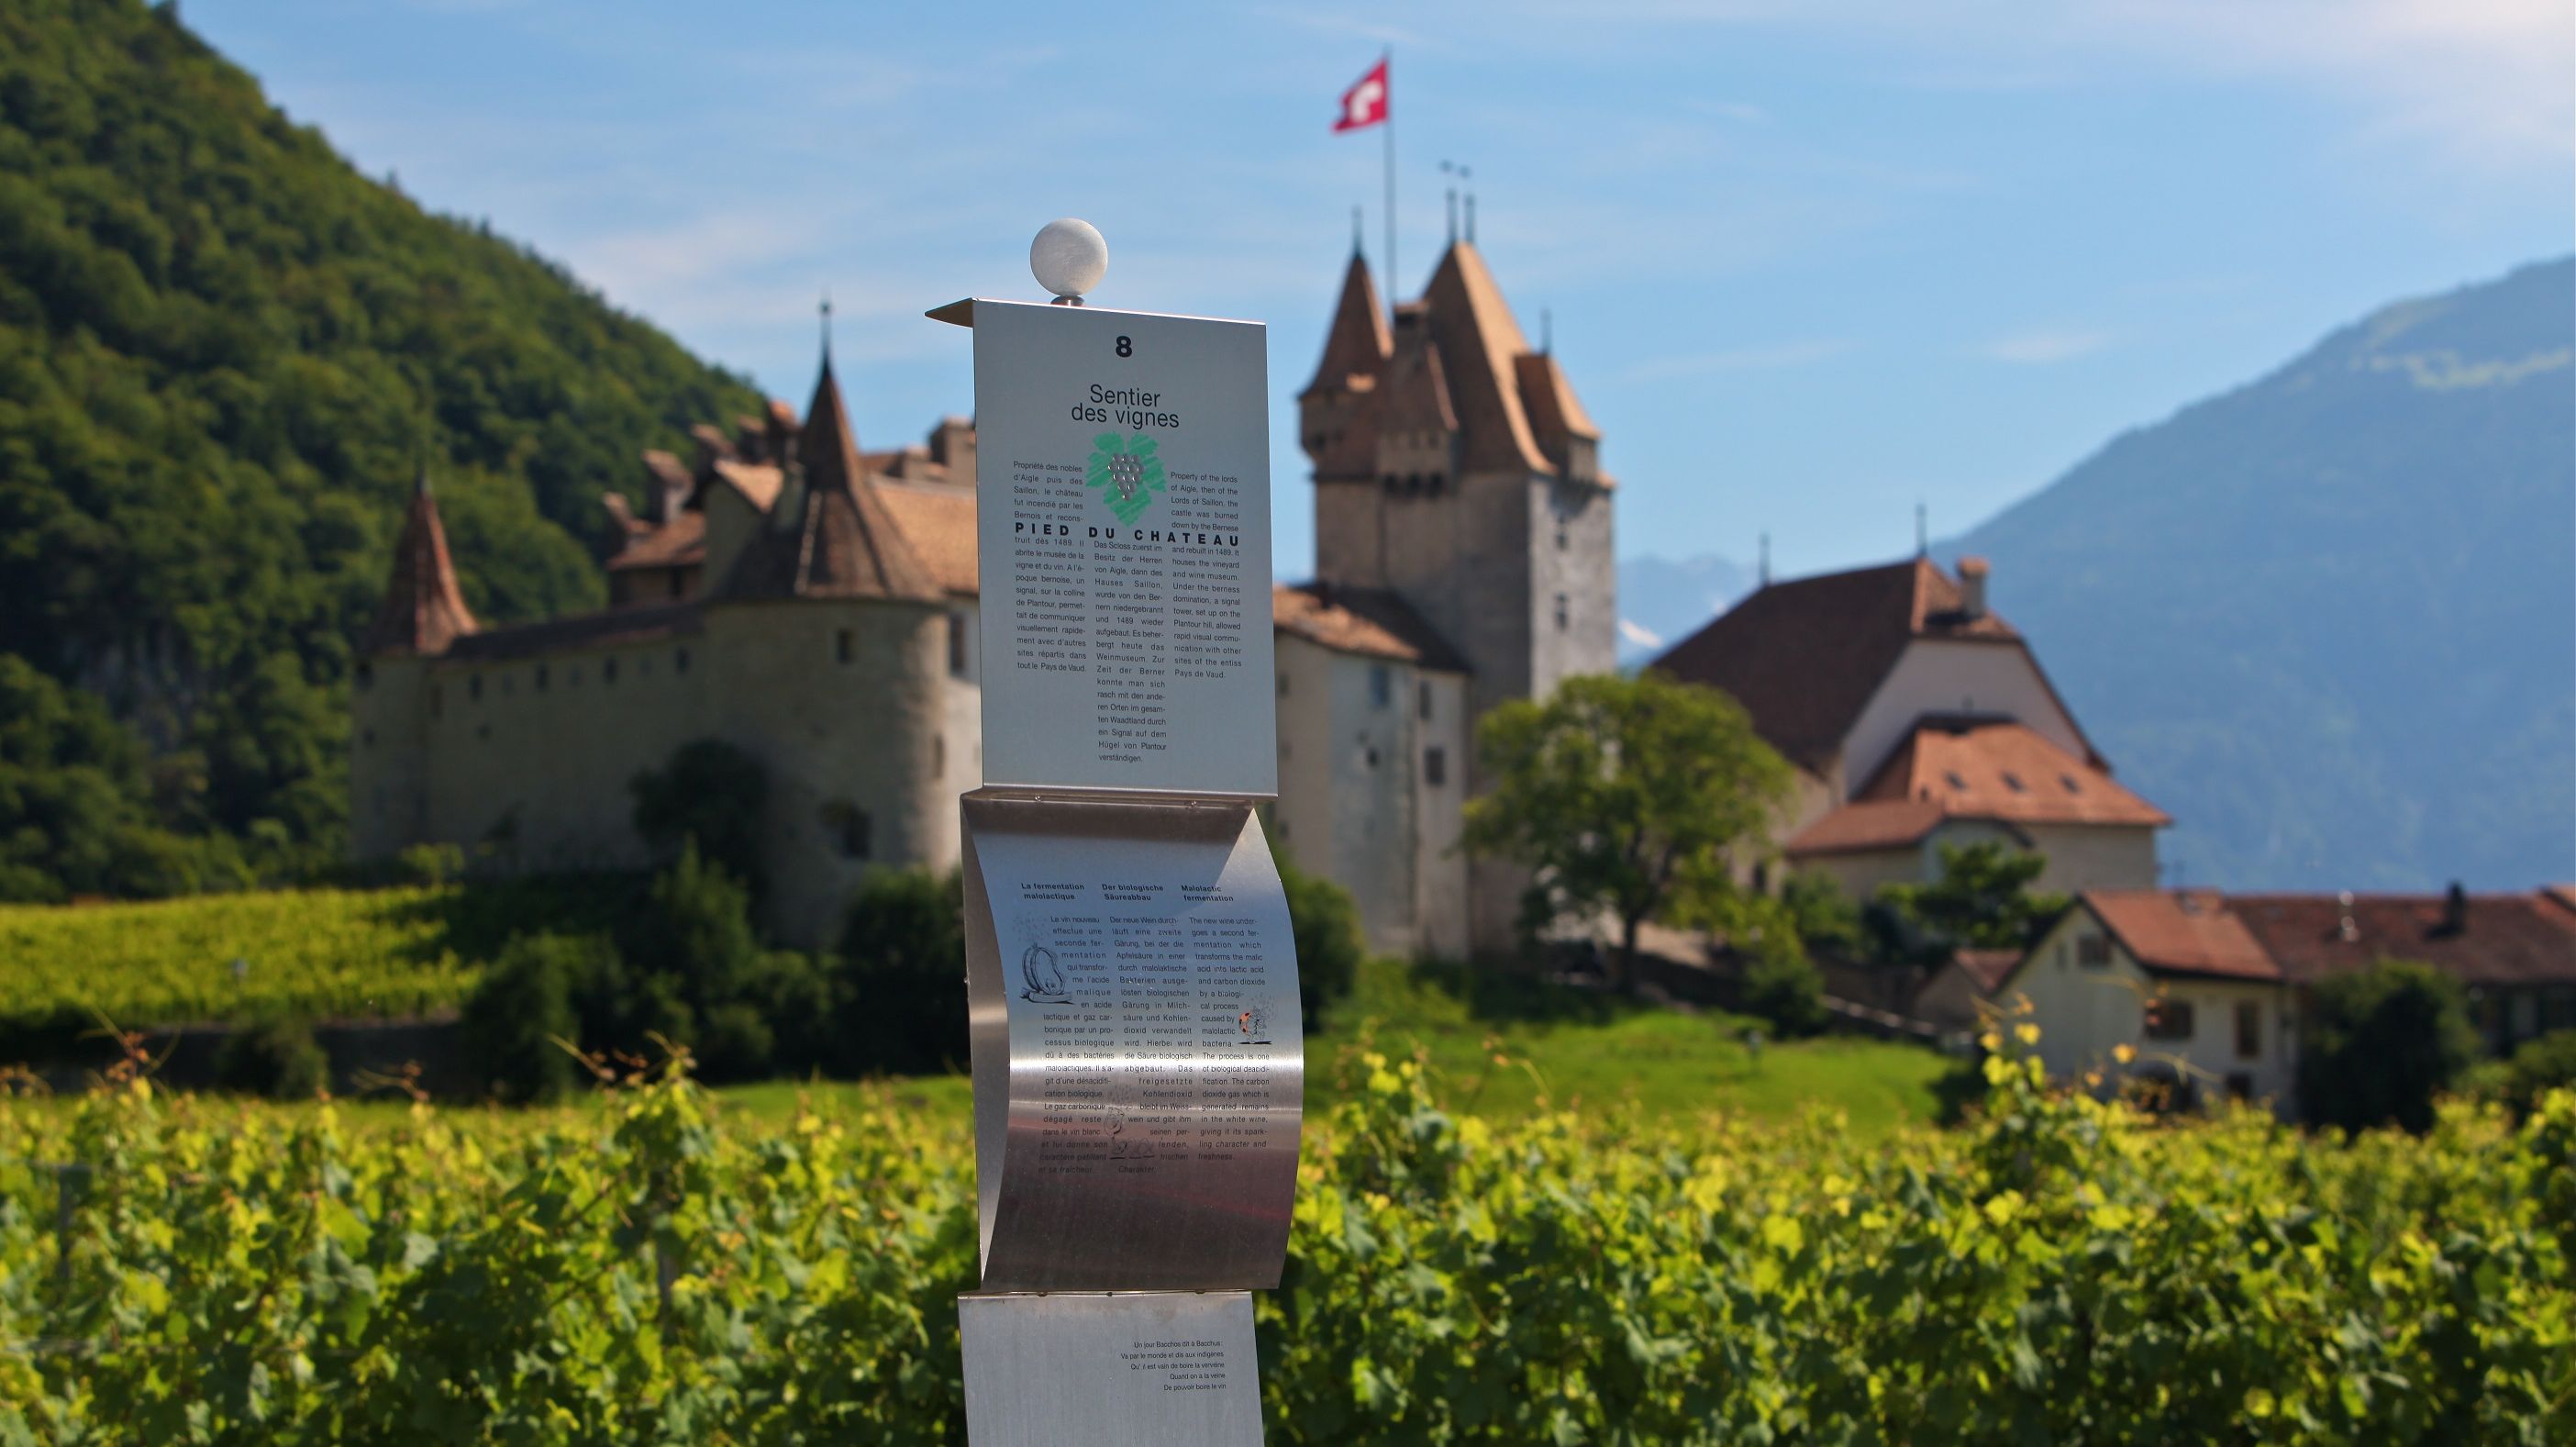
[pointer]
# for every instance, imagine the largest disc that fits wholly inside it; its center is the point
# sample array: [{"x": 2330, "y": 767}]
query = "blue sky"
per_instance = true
[{"x": 1809, "y": 260}]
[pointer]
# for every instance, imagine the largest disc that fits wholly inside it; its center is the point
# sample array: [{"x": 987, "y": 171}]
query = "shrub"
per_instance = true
[
  {"x": 276, "y": 1057},
  {"x": 1325, "y": 921},
  {"x": 901, "y": 995},
  {"x": 524, "y": 1007},
  {"x": 2378, "y": 1044},
  {"x": 2540, "y": 1066},
  {"x": 710, "y": 794},
  {"x": 1785, "y": 988}
]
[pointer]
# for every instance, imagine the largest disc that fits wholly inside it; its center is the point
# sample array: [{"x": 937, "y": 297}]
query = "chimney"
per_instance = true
[
  {"x": 1972, "y": 587},
  {"x": 2455, "y": 911}
]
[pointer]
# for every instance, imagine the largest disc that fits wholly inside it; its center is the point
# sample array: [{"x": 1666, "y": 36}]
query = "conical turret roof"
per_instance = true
[
  {"x": 424, "y": 610},
  {"x": 1358, "y": 343},
  {"x": 833, "y": 537}
]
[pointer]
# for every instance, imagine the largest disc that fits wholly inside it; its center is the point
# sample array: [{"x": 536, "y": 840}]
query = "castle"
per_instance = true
[{"x": 815, "y": 606}]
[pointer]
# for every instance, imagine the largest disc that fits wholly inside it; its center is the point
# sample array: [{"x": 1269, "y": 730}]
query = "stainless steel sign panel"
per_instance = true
[
  {"x": 1138, "y": 1051},
  {"x": 1131, "y": 1370},
  {"x": 1123, "y": 525}
]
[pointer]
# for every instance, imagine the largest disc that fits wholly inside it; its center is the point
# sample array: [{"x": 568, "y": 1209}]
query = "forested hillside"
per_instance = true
[
  {"x": 2328, "y": 619},
  {"x": 224, "y": 357}
]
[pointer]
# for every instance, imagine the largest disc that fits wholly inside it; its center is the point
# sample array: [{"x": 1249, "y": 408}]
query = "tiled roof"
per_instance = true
[
  {"x": 1367, "y": 621},
  {"x": 1989, "y": 968},
  {"x": 758, "y": 482},
  {"x": 677, "y": 543},
  {"x": 1804, "y": 657},
  {"x": 1890, "y": 824},
  {"x": 1550, "y": 399},
  {"x": 1418, "y": 398},
  {"x": 1479, "y": 344},
  {"x": 2182, "y": 932},
  {"x": 939, "y": 523},
  {"x": 1356, "y": 345},
  {"x": 636, "y": 623},
  {"x": 2001, "y": 769},
  {"x": 843, "y": 542},
  {"x": 2502, "y": 938},
  {"x": 424, "y": 611}
]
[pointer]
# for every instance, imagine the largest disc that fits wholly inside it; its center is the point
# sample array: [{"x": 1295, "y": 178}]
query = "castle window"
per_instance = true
[
  {"x": 1381, "y": 685},
  {"x": 474, "y": 688},
  {"x": 843, "y": 646},
  {"x": 366, "y": 675},
  {"x": 608, "y": 670},
  {"x": 1560, "y": 540},
  {"x": 1561, "y": 612},
  {"x": 847, "y": 826},
  {"x": 1423, "y": 690},
  {"x": 1372, "y": 756},
  {"x": 957, "y": 645},
  {"x": 541, "y": 678},
  {"x": 679, "y": 660},
  {"x": 1435, "y": 767}
]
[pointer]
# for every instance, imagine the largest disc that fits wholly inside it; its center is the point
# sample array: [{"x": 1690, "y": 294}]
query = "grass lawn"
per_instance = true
[{"x": 1565, "y": 1048}]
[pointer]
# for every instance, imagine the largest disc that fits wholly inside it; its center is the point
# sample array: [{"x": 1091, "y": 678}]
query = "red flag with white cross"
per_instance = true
[{"x": 1364, "y": 104}]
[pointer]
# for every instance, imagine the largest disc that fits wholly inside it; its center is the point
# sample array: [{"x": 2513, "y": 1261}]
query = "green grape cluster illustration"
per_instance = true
[{"x": 1127, "y": 472}]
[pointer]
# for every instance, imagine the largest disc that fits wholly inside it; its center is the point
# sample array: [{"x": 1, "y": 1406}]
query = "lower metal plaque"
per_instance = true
[
  {"x": 1133, "y": 1369},
  {"x": 1139, "y": 1056}
]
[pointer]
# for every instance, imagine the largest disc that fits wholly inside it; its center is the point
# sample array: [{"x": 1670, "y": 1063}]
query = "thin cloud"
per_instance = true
[{"x": 2044, "y": 346}]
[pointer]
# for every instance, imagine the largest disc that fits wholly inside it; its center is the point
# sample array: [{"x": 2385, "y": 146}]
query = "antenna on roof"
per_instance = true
[
  {"x": 825, "y": 310},
  {"x": 1546, "y": 331},
  {"x": 1466, "y": 179},
  {"x": 1355, "y": 231},
  {"x": 1922, "y": 532},
  {"x": 1765, "y": 573}
]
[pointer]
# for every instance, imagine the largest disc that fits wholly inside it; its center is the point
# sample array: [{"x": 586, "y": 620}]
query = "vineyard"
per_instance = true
[
  {"x": 320, "y": 953},
  {"x": 658, "y": 1269}
]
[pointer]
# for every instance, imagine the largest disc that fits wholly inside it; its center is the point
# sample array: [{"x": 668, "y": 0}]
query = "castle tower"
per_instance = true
[
  {"x": 1455, "y": 468},
  {"x": 392, "y": 697},
  {"x": 841, "y": 696}
]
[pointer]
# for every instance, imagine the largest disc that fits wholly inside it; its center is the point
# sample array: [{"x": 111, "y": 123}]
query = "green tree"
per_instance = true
[
  {"x": 1325, "y": 922},
  {"x": 1825, "y": 918},
  {"x": 1616, "y": 792},
  {"x": 1983, "y": 900},
  {"x": 901, "y": 993},
  {"x": 2539, "y": 1066},
  {"x": 521, "y": 1015},
  {"x": 2376, "y": 1045},
  {"x": 710, "y": 794}
]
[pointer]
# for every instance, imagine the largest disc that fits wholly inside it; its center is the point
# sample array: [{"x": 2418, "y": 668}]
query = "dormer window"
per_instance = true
[
  {"x": 2072, "y": 787},
  {"x": 1952, "y": 775},
  {"x": 2012, "y": 781}
]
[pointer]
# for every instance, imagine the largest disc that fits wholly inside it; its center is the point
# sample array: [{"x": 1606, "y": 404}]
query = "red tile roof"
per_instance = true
[
  {"x": 1856, "y": 827},
  {"x": 1479, "y": 344},
  {"x": 424, "y": 610},
  {"x": 939, "y": 523},
  {"x": 2001, "y": 769},
  {"x": 1988, "y": 968},
  {"x": 1366, "y": 621},
  {"x": 2182, "y": 932},
  {"x": 678, "y": 543},
  {"x": 1356, "y": 344},
  {"x": 1804, "y": 657},
  {"x": 2502, "y": 939}
]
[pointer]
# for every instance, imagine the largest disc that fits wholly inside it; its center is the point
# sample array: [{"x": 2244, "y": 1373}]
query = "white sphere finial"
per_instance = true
[{"x": 1069, "y": 257}]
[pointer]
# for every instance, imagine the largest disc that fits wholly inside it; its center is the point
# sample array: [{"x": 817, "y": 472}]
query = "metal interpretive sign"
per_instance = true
[
  {"x": 1131, "y": 973},
  {"x": 1139, "y": 1056},
  {"x": 1110, "y": 1371},
  {"x": 1123, "y": 518}
]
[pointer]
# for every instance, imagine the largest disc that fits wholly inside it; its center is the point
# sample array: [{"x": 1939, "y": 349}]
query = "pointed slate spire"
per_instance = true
[
  {"x": 424, "y": 610},
  {"x": 838, "y": 539},
  {"x": 1358, "y": 343}
]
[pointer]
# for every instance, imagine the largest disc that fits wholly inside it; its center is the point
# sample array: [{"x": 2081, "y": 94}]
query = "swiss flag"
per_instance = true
[{"x": 1364, "y": 104}]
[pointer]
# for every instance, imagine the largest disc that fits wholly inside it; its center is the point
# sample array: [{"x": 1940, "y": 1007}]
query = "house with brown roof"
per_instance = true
[
  {"x": 815, "y": 605},
  {"x": 2208, "y": 988},
  {"x": 1917, "y": 718}
]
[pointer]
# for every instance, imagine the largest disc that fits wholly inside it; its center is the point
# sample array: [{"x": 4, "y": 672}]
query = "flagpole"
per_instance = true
[{"x": 1387, "y": 60}]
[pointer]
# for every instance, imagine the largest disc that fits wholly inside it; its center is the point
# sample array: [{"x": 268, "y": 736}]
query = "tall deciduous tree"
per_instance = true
[{"x": 1620, "y": 793}]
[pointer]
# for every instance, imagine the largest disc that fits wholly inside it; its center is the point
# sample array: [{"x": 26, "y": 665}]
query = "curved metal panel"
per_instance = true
[{"x": 1139, "y": 1053}]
